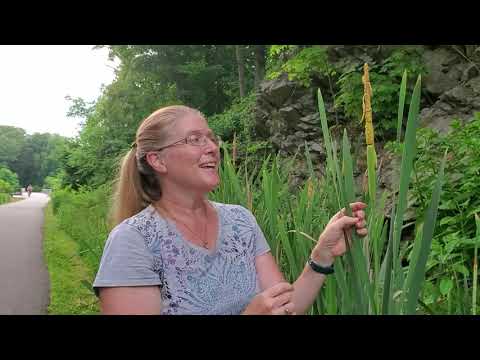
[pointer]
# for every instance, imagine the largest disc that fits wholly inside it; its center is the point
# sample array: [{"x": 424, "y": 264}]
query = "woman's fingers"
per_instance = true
[
  {"x": 359, "y": 214},
  {"x": 287, "y": 309},
  {"x": 362, "y": 232},
  {"x": 356, "y": 211},
  {"x": 282, "y": 299},
  {"x": 346, "y": 221},
  {"x": 358, "y": 206},
  {"x": 360, "y": 224},
  {"x": 279, "y": 289}
]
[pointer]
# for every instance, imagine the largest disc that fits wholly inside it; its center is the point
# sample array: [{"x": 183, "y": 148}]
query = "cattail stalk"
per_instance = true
[
  {"x": 369, "y": 138},
  {"x": 371, "y": 155}
]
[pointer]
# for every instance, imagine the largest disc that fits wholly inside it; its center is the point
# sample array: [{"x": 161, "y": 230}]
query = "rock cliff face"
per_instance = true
[{"x": 286, "y": 113}]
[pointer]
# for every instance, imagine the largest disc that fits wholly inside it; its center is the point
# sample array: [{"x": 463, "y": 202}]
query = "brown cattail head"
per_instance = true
[{"x": 367, "y": 105}]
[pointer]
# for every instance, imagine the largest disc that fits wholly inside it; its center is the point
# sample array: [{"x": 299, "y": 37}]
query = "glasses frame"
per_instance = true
[{"x": 184, "y": 141}]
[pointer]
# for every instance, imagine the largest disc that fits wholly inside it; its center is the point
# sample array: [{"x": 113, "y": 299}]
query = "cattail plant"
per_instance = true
[
  {"x": 382, "y": 289},
  {"x": 369, "y": 138}
]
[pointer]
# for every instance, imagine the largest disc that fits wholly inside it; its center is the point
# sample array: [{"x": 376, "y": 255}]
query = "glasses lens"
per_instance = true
[
  {"x": 196, "y": 140},
  {"x": 201, "y": 140}
]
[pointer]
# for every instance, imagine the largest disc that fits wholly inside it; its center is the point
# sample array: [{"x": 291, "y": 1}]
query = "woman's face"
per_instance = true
[{"x": 189, "y": 166}]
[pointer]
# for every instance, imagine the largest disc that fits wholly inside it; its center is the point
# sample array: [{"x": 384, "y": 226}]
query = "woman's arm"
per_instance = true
[
  {"x": 331, "y": 244},
  {"x": 137, "y": 300}
]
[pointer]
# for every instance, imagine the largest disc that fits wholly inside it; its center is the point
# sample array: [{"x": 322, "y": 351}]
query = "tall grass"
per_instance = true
[
  {"x": 83, "y": 216},
  {"x": 370, "y": 278}
]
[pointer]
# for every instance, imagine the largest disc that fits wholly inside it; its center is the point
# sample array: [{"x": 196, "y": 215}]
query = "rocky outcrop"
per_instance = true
[
  {"x": 286, "y": 113},
  {"x": 460, "y": 102},
  {"x": 453, "y": 78}
]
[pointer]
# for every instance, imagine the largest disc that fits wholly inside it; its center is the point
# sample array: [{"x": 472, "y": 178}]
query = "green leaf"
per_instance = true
[
  {"x": 401, "y": 103},
  {"x": 445, "y": 286},
  {"x": 416, "y": 274},
  {"x": 447, "y": 220},
  {"x": 461, "y": 269},
  {"x": 408, "y": 156}
]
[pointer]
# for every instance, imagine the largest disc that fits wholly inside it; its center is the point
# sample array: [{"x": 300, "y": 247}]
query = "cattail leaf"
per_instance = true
[
  {"x": 415, "y": 280},
  {"x": 408, "y": 156},
  {"x": 401, "y": 105}
]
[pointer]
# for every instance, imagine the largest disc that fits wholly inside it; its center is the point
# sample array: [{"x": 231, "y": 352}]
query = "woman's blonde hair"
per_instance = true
[{"x": 137, "y": 185}]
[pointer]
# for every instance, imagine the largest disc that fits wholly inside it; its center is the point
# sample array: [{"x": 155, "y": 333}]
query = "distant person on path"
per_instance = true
[
  {"x": 173, "y": 251},
  {"x": 29, "y": 190}
]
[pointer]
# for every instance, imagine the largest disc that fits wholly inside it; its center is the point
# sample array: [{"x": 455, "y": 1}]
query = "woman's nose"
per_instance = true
[{"x": 211, "y": 146}]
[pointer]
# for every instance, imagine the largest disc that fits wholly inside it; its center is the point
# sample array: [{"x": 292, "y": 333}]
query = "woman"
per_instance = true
[{"x": 175, "y": 252}]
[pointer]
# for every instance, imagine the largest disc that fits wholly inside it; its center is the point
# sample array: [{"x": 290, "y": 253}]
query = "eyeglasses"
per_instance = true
[{"x": 195, "y": 139}]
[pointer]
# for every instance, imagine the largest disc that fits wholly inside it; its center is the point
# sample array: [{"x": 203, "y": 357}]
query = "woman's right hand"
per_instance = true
[{"x": 276, "y": 300}]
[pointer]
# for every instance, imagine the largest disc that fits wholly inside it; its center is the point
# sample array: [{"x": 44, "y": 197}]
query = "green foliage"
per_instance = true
[
  {"x": 385, "y": 78},
  {"x": 4, "y": 198},
  {"x": 239, "y": 119},
  {"x": 5, "y": 187},
  {"x": 8, "y": 180},
  {"x": 68, "y": 273},
  {"x": 461, "y": 200},
  {"x": 12, "y": 140},
  {"x": 277, "y": 55},
  {"x": 453, "y": 247},
  {"x": 307, "y": 63},
  {"x": 31, "y": 157},
  {"x": 83, "y": 216},
  {"x": 201, "y": 74},
  {"x": 55, "y": 182}
]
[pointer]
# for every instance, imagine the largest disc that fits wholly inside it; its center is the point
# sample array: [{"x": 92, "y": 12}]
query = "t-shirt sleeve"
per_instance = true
[
  {"x": 261, "y": 245},
  {"x": 126, "y": 261}
]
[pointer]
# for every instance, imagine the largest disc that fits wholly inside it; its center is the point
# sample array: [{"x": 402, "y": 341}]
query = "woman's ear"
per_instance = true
[{"x": 157, "y": 162}]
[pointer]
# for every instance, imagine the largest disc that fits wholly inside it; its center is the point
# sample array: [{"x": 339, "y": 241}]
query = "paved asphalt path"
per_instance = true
[{"x": 24, "y": 281}]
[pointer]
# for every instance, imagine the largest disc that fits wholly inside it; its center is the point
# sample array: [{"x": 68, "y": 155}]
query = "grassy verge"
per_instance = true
[
  {"x": 4, "y": 198},
  {"x": 67, "y": 272}
]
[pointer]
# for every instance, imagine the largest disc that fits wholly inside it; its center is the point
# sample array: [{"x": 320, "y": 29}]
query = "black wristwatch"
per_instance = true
[{"x": 320, "y": 269}]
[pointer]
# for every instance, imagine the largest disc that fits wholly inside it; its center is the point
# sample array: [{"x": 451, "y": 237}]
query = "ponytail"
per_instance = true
[{"x": 129, "y": 197}]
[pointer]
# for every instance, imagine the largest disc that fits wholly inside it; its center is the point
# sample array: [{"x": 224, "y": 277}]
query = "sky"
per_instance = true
[{"x": 35, "y": 79}]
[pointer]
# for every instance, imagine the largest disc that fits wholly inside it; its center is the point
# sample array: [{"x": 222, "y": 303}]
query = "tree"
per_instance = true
[
  {"x": 241, "y": 69},
  {"x": 12, "y": 140},
  {"x": 260, "y": 60}
]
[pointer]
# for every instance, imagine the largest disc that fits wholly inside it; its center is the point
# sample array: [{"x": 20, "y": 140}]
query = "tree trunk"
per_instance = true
[
  {"x": 259, "y": 64},
  {"x": 241, "y": 69}
]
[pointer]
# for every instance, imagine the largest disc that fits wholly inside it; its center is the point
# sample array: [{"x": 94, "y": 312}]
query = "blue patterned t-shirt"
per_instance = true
[{"x": 148, "y": 250}]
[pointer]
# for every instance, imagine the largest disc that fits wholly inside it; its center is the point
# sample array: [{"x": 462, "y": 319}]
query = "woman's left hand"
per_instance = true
[{"x": 331, "y": 242}]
